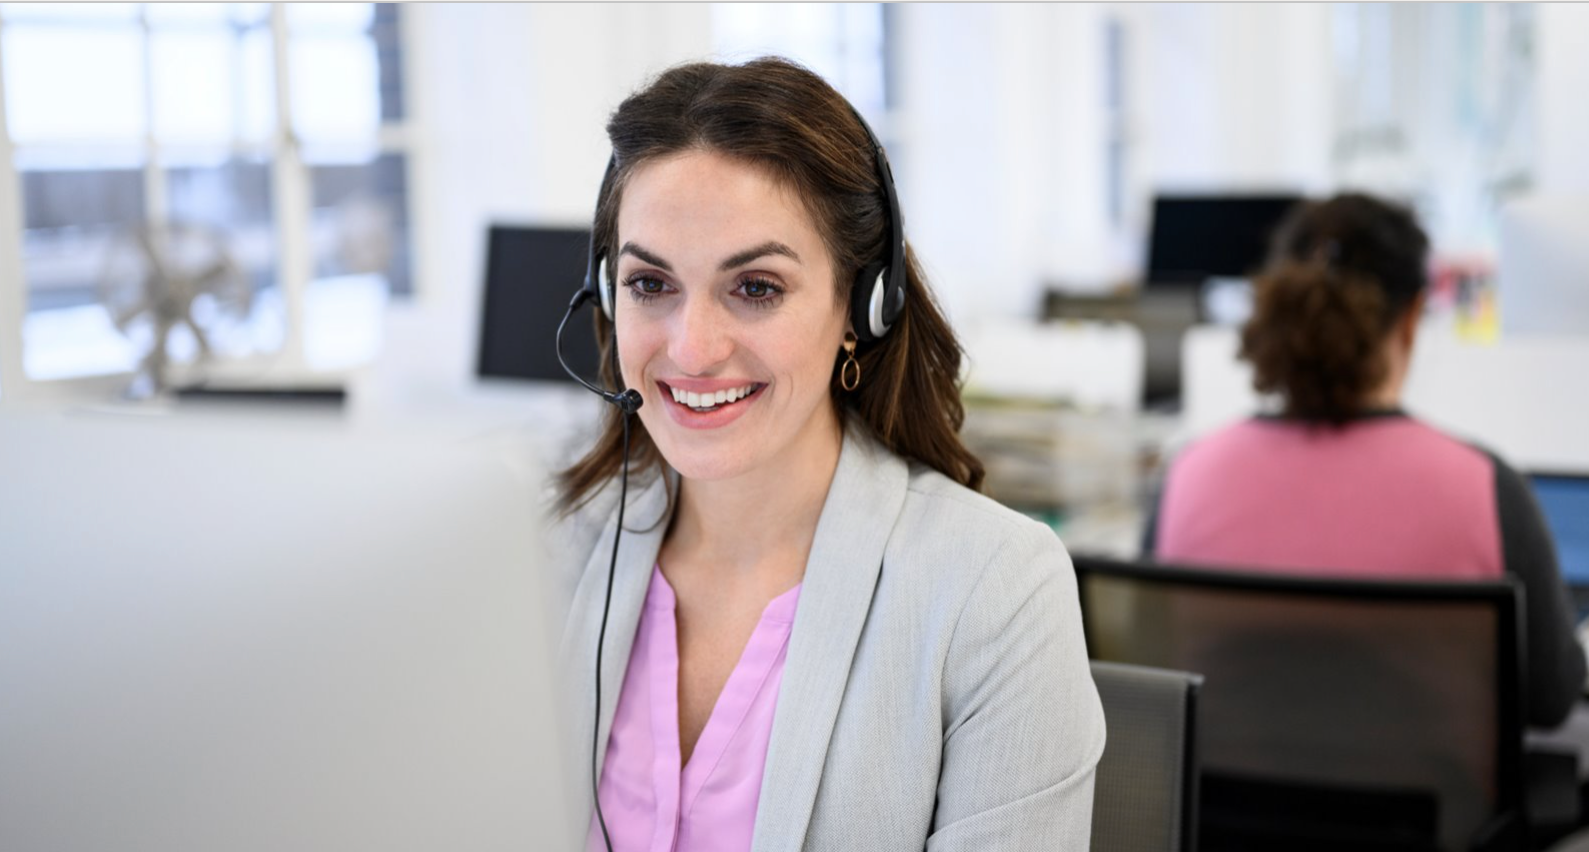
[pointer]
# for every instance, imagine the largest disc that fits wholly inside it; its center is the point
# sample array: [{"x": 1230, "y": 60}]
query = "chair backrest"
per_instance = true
[
  {"x": 1145, "y": 796},
  {"x": 1331, "y": 684}
]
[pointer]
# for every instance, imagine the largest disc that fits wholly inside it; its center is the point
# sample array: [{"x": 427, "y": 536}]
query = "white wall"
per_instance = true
[
  {"x": 1001, "y": 162},
  {"x": 1563, "y": 85},
  {"x": 1239, "y": 95}
]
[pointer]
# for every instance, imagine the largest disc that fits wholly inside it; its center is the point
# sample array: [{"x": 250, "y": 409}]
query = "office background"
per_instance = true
[
  {"x": 350, "y": 160},
  {"x": 371, "y": 216}
]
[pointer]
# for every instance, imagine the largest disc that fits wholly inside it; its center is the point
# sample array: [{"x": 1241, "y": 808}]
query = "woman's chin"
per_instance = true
[{"x": 704, "y": 467}]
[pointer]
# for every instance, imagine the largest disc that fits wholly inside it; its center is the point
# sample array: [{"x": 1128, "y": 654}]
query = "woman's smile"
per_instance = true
[{"x": 695, "y": 404}]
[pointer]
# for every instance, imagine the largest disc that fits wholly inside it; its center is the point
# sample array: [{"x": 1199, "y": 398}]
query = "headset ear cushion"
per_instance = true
[
  {"x": 868, "y": 290},
  {"x": 604, "y": 286}
]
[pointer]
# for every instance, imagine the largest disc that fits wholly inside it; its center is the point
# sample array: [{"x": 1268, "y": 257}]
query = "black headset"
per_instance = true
[{"x": 876, "y": 301}]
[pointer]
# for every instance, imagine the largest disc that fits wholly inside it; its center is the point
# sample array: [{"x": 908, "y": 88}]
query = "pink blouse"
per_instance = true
[{"x": 650, "y": 802}]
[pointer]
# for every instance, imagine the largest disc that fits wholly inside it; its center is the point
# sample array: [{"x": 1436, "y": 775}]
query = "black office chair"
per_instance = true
[
  {"x": 1339, "y": 714},
  {"x": 1145, "y": 795}
]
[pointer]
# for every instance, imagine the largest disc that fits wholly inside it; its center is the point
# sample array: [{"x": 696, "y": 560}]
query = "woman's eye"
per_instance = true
[
  {"x": 644, "y": 288},
  {"x": 759, "y": 289}
]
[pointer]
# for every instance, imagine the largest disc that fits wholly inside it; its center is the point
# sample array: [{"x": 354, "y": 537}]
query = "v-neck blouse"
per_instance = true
[{"x": 649, "y": 801}]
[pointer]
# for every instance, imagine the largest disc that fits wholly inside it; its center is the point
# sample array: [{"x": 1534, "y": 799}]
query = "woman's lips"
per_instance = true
[{"x": 717, "y": 416}]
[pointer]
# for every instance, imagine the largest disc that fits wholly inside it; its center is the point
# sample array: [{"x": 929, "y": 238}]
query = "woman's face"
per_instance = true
[{"x": 727, "y": 319}]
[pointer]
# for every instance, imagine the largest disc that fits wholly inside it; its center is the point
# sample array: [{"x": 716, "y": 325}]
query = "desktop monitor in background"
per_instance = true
[
  {"x": 531, "y": 273},
  {"x": 1199, "y": 249},
  {"x": 1564, "y": 499},
  {"x": 1198, "y": 237}
]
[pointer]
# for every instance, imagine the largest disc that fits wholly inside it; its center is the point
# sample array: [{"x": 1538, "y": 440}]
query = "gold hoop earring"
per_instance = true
[{"x": 850, "y": 373}]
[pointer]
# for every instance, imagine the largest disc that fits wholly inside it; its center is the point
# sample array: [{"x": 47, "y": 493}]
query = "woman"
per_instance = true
[
  {"x": 1343, "y": 481},
  {"x": 820, "y": 635}
]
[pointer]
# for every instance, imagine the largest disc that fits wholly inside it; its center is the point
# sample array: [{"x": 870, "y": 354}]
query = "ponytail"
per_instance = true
[
  {"x": 1341, "y": 273},
  {"x": 1315, "y": 337}
]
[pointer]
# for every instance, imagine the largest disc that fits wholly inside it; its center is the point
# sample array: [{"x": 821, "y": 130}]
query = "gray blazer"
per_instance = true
[{"x": 936, "y": 692}]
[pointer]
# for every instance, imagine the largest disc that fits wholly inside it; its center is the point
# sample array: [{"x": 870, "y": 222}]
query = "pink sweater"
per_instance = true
[
  {"x": 1384, "y": 497},
  {"x": 709, "y": 805}
]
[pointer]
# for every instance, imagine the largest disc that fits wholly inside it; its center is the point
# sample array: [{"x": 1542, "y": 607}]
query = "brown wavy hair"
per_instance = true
[
  {"x": 786, "y": 120},
  {"x": 1341, "y": 274}
]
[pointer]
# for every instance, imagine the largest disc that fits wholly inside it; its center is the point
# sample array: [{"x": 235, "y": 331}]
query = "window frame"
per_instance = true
[{"x": 292, "y": 216}]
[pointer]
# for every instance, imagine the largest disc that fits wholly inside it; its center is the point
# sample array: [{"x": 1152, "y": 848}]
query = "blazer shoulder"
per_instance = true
[
  {"x": 970, "y": 533},
  {"x": 574, "y": 533},
  {"x": 930, "y": 490}
]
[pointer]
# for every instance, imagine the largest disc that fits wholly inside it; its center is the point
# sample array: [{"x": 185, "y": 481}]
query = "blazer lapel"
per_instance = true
[
  {"x": 637, "y": 553},
  {"x": 862, "y": 506}
]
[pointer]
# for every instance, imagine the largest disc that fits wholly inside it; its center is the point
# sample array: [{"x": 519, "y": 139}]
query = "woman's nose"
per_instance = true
[{"x": 701, "y": 337}]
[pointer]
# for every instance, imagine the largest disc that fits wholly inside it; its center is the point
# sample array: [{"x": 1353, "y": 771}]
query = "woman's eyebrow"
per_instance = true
[
  {"x": 770, "y": 247},
  {"x": 645, "y": 256},
  {"x": 734, "y": 261}
]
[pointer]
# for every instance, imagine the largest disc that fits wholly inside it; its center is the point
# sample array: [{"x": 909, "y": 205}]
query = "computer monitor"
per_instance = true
[
  {"x": 1193, "y": 240},
  {"x": 1197, "y": 237},
  {"x": 531, "y": 273},
  {"x": 271, "y": 635},
  {"x": 1564, "y": 498}
]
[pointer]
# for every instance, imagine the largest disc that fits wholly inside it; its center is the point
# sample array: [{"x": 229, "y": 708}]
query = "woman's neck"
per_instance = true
[{"x": 736, "y": 524}]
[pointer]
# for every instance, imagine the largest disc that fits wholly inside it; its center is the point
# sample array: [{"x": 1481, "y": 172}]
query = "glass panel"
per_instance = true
[
  {"x": 250, "y": 13},
  {"x": 346, "y": 68},
  {"x": 257, "y": 95},
  {"x": 360, "y": 220},
  {"x": 70, "y": 12},
  {"x": 71, "y": 221},
  {"x": 1436, "y": 103},
  {"x": 387, "y": 32},
  {"x": 333, "y": 18},
  {"x": 203, "y": 14},
  {"x": 213, "y": 81},
  {"x": 91, "y": 269},
  {"x": 361, "y": 247},
  {"x": 194, "y": 74},
  {"x": 233, "y": 202},
  {"x": 73, "y": 84},
  {"x": 335, "y": 87}
]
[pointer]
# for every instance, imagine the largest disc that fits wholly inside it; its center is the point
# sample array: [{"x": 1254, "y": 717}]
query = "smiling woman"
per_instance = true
[
  {"x": 733, "y": 290},
  {"x": 823, "y": 636}
]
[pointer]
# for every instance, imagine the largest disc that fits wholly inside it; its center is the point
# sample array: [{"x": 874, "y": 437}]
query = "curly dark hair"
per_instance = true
[{"x": 1341, "y": 274}]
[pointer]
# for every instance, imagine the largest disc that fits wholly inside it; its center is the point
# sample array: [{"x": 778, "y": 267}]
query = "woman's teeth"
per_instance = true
[{"x": 709, "y": 401}]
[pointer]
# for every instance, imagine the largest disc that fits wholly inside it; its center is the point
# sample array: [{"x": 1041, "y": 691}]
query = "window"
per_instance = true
[
  {"x": 1436, "y": 103},
  {"x": 262, "y": 143}
]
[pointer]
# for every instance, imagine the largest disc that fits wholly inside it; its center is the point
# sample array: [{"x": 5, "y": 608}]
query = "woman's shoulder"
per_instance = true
[
  {"x": 930, "y": 491},
  {"x": 574, "y": 534},
  {"x": 953, "y": 530},
  {"x": 574, "y": 530}
]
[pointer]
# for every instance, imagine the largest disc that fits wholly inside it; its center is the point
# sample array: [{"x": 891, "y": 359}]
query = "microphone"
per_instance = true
[{"x": 628, "y": 401}]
